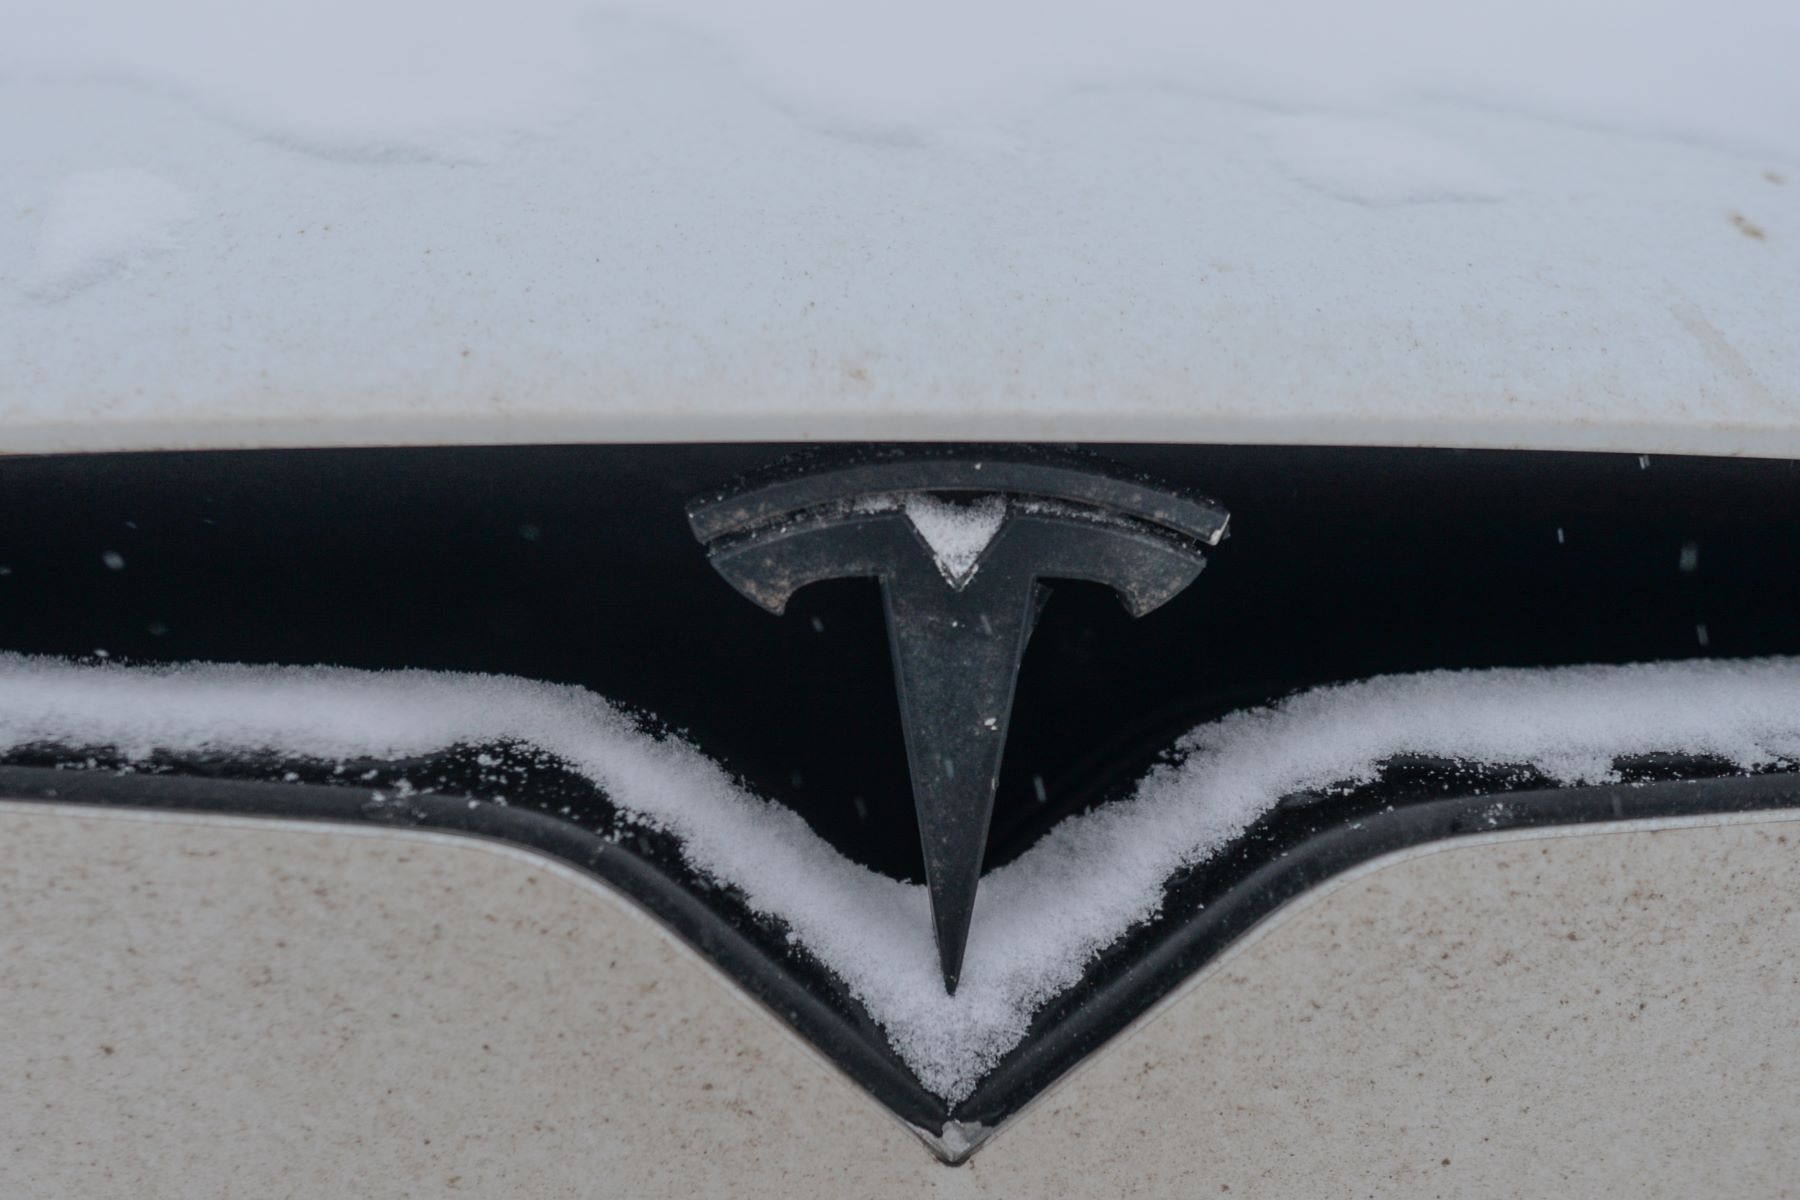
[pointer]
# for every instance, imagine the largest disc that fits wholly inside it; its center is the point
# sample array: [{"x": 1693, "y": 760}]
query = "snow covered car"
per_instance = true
[{"x": 607, "y": 599}]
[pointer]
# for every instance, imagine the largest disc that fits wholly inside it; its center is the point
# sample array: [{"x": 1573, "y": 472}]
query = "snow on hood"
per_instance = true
[
  {"x": 1038, "y": 920},
  {"x": 1557, "y": 223}
]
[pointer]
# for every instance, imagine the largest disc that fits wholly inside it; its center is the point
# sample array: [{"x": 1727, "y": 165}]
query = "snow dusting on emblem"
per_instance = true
[{"x": 961, "y": 545}]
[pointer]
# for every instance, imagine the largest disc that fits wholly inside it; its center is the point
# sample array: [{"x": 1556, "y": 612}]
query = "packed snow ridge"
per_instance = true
[{"x": 1038, "y": 920}]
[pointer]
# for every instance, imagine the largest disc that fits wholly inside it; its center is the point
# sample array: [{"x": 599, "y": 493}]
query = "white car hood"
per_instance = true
[{"x": 1561, "y": 225}]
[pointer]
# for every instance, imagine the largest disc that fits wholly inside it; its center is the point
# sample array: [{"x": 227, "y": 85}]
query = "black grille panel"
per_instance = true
[{"x": 575, "y": 564}]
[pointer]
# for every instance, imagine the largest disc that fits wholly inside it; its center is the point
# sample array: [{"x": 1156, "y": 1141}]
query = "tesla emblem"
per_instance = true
[{"x": 962, "y": 546}]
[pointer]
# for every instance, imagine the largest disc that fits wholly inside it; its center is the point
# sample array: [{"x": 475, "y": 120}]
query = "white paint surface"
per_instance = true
[
  {"x": 270, "y": 1008},
  {"x": 1536, "y": 224}
]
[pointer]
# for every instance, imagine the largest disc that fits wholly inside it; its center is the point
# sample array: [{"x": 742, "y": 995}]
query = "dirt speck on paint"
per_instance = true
[{"x": 1748, "y": 228}]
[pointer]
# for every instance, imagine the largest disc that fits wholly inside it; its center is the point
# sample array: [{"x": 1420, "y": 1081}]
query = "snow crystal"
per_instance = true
[
  {"x": 955, "y": 533},
  {"x": 1039, "y": 919},
  {"x": 99, "y": 223}
]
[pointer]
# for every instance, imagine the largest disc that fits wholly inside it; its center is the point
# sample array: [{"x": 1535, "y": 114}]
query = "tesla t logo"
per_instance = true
[{"x": 963, "y": 583}]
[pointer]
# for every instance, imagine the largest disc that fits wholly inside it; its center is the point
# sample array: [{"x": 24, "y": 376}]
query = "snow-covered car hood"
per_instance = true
[{"x": 1545, "y": 225}]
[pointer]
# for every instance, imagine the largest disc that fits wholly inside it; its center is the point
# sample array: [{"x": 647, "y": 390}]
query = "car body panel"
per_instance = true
[{"x": 243, "y": 1002}]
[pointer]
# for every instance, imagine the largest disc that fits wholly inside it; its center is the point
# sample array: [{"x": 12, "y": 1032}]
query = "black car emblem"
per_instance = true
[{"x": 962, "y": 586}]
